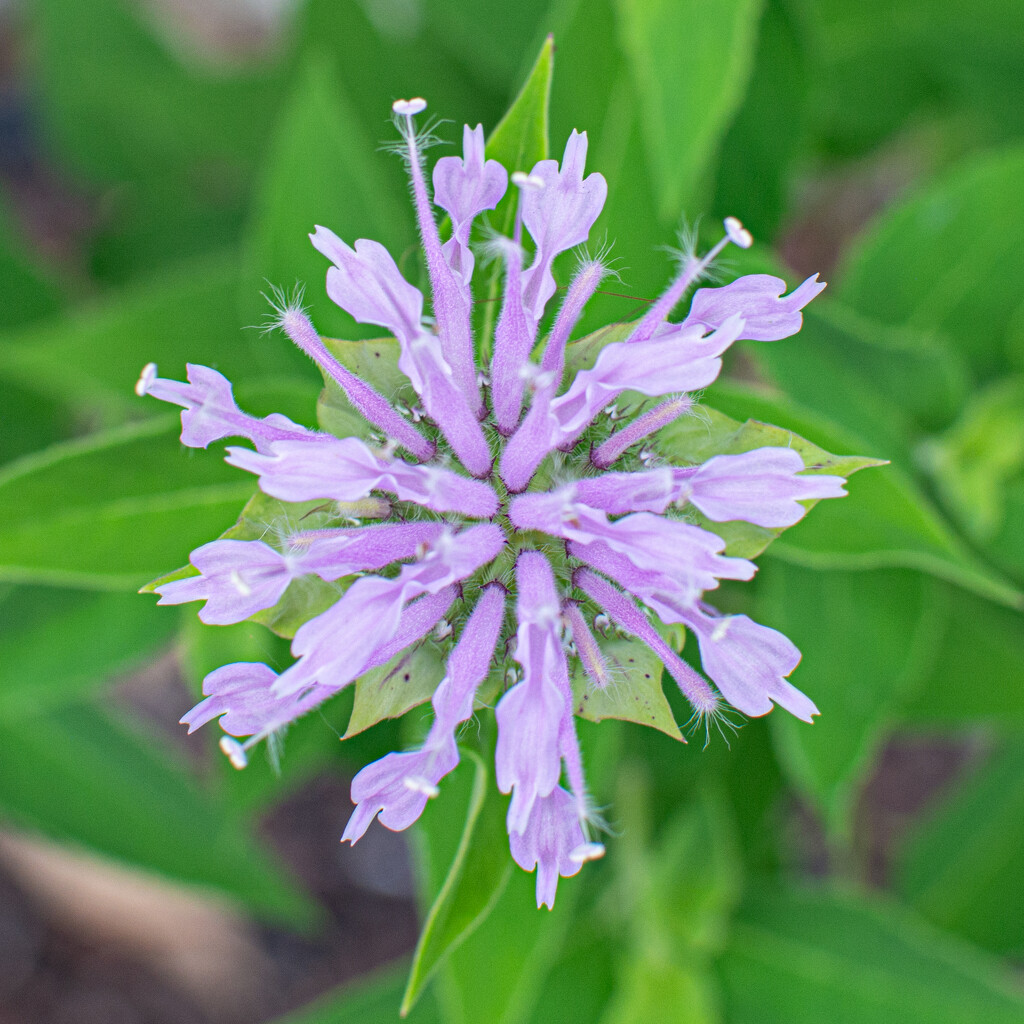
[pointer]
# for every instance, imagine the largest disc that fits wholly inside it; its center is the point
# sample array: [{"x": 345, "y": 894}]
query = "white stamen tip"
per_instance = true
[
  {"x": 234, "y": 751},
  {"x": 409, "y": 107},
  {"x": 418, "y": 784},
  {"x": 146, "y": 378},
  {"x": 737, "y": 233},
  {"x": 443, "y": 630},
  {"x": 585, "y": 852},
  {"x": 522, "y": 180}
]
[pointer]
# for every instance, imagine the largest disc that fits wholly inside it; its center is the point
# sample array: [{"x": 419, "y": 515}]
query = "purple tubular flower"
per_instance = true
[
  {"x": 649, "y": 542},
  {"x": 338, "y": 645},
  {"x": 759, "y": 486},
  {"x": 587, "y": 648},
  {"x": 654, "y": 368},
  {"x": 758, "y": 299},
  {"x": 464, "y": 189},
  {"x": 452, "y": 308},
  {"x": 607, "y": 546},
  {"x": 514, "y": 335},
  {"x": 368, "y": 402},
  {"x": 368, "y": 285},
  {"x": 610, "y": 451},
  {"x": 237, "y": 579},
  {"x": 550, "y": 838},
  {"x": 346, "y": 469},
  {"x": 625, "y": 614},
  {"x": 210, "y": 413},
  {"x": 559, "y": 214},
  {"x": 398, "y": 785},
  {"x": 528, "y": 758},
  {"x": 748, "y": 662}
]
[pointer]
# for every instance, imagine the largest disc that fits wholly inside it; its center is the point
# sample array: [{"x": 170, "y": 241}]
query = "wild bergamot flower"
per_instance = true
[{"x": 513, "y": 540}]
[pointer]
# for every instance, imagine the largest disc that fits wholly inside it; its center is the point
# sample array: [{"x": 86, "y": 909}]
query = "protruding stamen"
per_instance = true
[
  {"x": 450, "y": 306},
  {"x": 407, "y": 108},
  {"x": 587, "y": 851},
  {"x": 643, "y": 426},
  {"x": 692, "y": 271},
  {"x": 146, "y": 378},
  {"x": 234, "y": 751},
  {"x": 737, "y": 233}
]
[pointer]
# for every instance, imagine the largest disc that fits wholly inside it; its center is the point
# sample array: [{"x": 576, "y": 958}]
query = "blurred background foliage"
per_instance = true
[{"x": 155, "y": 174}]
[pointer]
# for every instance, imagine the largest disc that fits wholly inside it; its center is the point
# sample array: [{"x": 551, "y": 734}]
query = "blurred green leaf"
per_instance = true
[
  {"x": 110, "y": 511},
  {"x": 945, "y": 259},
  {"x": 962, "y": 866},
  {"x": 56, "y": 645},
  {"x": 91, "y": 359},
  {"x": 885, "y": 521},
  {"x": 794, "y": 956},
  {"x": 321, "y": 169},
  {"x": 28, "y": 292},
  {"x": 974, "y": 460},
  {"x": 80, "y": 776},
  {"x": 896, "y": 381},
  {"x": 752, "y": 180},
  {"x": 686, "y": 104},
  {"x": 634, "y": 693},
  {"x": 982, "y": 641},
  {"x": 476, "y": 876},
  {"x": 370, "y": 1000},
  {"x": 499, "y": 973},
  {"x": 870, "y": 81},
  {"x": 520, "y": 138},
  {"x": 869, "y": 640},
  {"x": 655, "y": 991},
  {"x": 120, "y": 104}
]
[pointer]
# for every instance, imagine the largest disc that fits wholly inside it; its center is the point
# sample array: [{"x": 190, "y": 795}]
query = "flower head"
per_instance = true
[{"x": 524, "y": 519}]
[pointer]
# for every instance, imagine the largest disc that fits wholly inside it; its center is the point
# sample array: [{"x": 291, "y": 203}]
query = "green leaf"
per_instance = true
[
  {"x": 476, "y": 877},
  {"x": 91, "y": 360},
  {"x": 982, "y": 641},
  {"x": 752, "y": 176},
  {"x": 869, "y": 641},
  {"x": 520, "y": 138},
  {"x": 366, "y": 1001},
  {"x": 634, "y": 693},
  {"x": 948, "y": 57},
  {"x": 791, "y": 953},
  {"x": 707, "y": 432},
  {"x": 945, "y": 259},
  {"x": 80, "y": 776},
  {"x": 322, "y": 168},
  {"x": 109, "y": 511},
  {"x": 686, "y": 104},
  {"x": 885, "y": 522},
  {"x": 119, "y": 104},
  {"x": 406, "y": 681},
  {"x": 56, "y": 645},
  {"x": 28, "y": 292},
  {"x": 651, "y": 990},
  {"x": 977, "y": 457},
  {"x": 897, "y": 381},
  {"x": 962, "y": 864}
]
